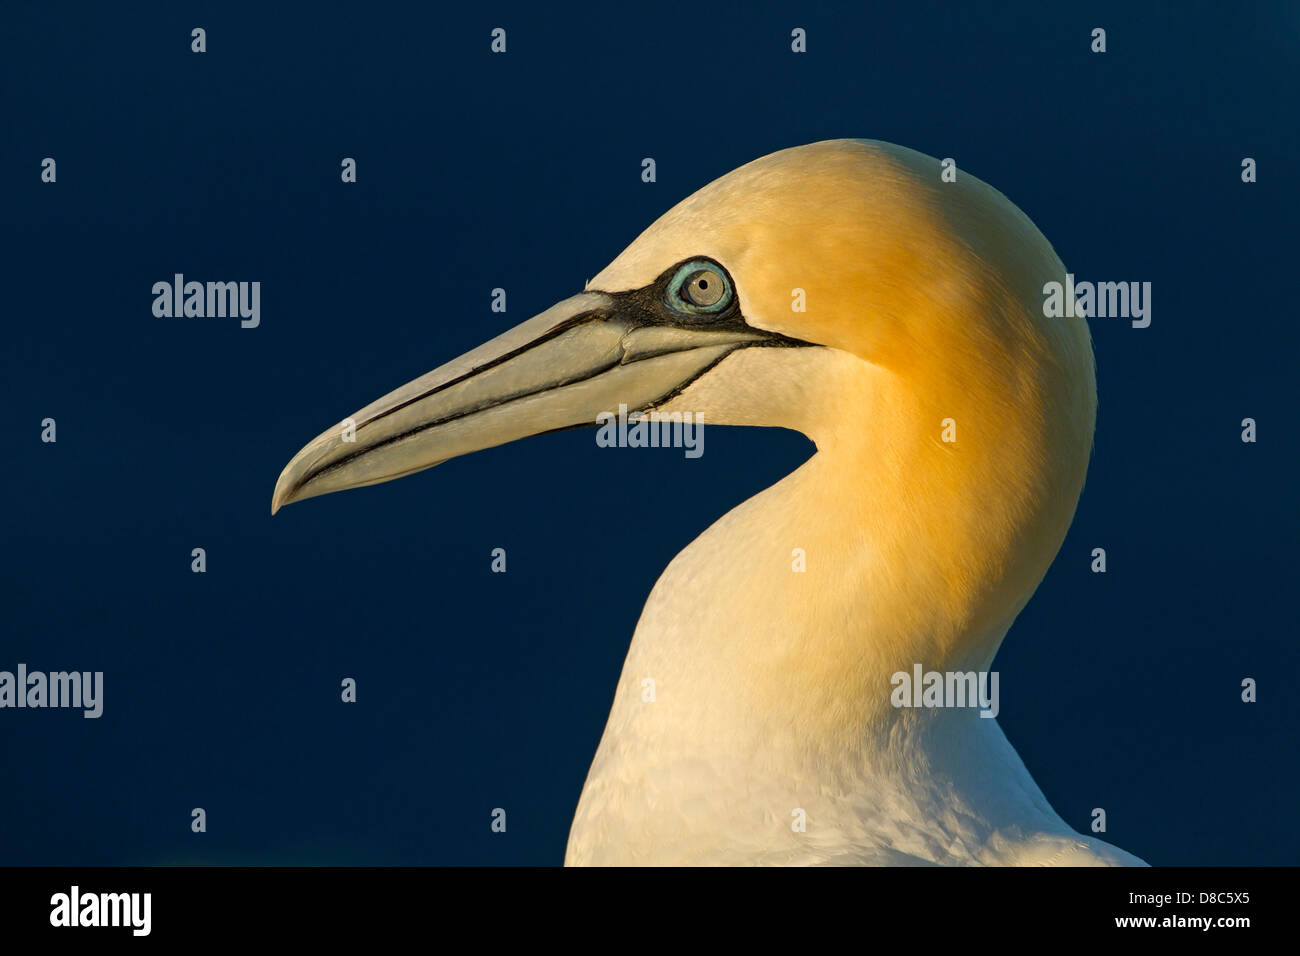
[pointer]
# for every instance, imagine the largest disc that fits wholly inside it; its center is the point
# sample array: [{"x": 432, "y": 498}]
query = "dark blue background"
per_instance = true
[{"x": 479, "y": 690}]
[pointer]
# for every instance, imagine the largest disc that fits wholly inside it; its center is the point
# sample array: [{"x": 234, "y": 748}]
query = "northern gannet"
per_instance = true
[{"x": 922, "y": 310}]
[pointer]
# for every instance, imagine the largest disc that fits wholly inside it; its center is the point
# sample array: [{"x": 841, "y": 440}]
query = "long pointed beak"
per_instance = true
[{"x": 560, "y": 369}]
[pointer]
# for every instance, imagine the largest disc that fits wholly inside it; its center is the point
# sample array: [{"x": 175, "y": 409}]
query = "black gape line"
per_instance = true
[{"x": 638, "y": 308}]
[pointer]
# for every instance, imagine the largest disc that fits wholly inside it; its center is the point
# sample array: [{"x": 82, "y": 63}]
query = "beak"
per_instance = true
[{"x": 560, "y": 369}]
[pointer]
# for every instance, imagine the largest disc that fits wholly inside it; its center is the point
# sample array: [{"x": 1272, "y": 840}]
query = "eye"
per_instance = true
[{"x": 699, "y": 287}]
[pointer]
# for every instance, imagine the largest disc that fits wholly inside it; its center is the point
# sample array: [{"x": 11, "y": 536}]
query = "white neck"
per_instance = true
[{"x": 771, "y": 686}]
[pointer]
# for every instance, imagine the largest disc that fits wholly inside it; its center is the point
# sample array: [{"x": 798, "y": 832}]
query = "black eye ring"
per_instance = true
[{"x": 699, "y": 287}]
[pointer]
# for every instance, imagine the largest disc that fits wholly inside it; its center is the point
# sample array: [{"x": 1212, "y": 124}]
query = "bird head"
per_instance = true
[{"x": 844, "y": 289}]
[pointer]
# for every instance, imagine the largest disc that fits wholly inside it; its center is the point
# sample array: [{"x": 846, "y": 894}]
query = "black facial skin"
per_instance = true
[{"x": 647, "y": 306}]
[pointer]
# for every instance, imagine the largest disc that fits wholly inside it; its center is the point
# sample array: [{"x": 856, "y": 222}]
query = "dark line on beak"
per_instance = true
[
  {"x": 558, "y": 329},
  {"x": 465, "y": 413},
  {"x": 777, "y": 342}
]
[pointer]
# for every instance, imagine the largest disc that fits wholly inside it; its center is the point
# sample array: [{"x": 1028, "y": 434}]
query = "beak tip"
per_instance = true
[{"x": 282, "y": 495}]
